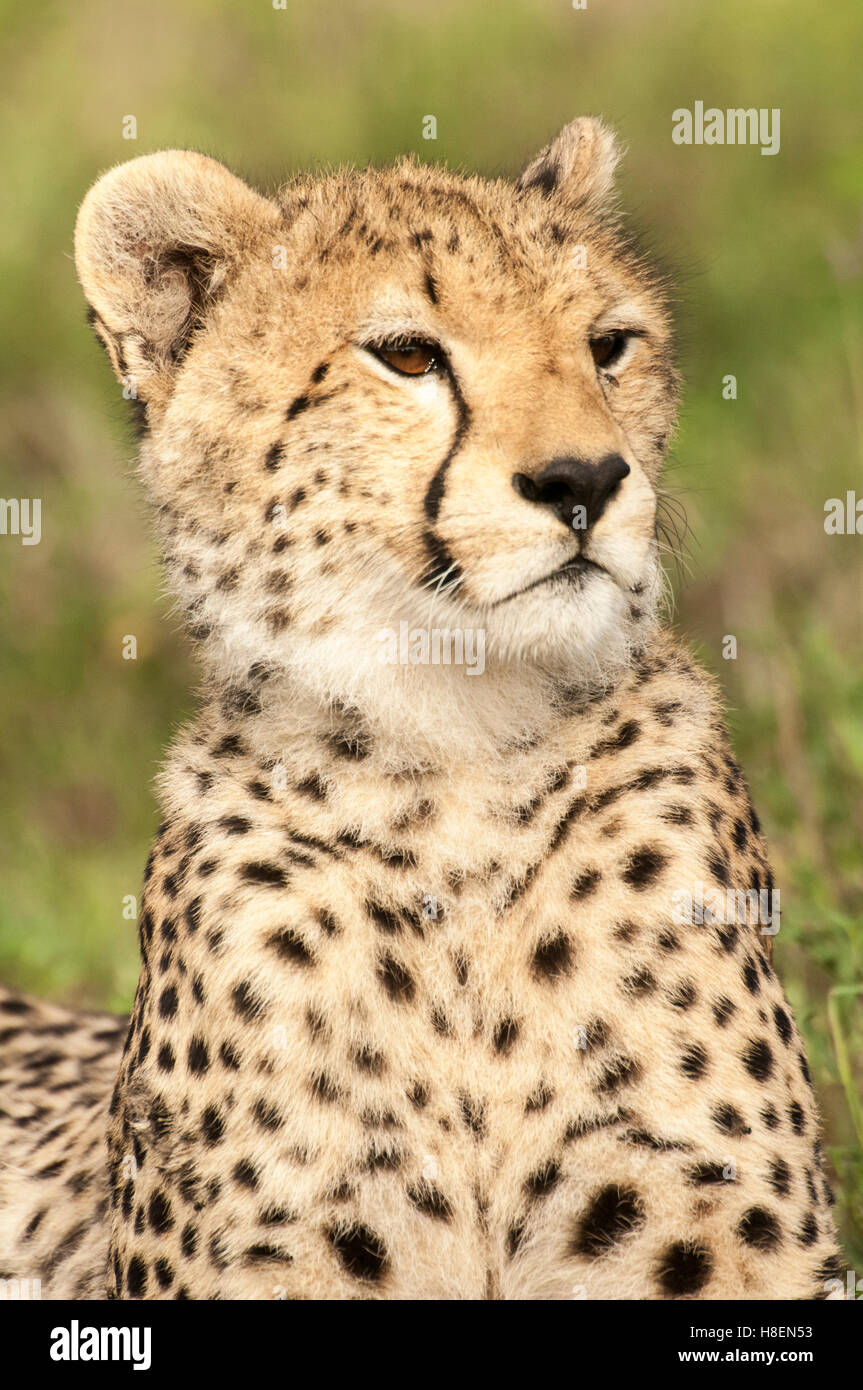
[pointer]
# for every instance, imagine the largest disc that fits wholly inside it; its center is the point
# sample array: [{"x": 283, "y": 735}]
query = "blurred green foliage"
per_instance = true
[{"x": 767, "y": 253}]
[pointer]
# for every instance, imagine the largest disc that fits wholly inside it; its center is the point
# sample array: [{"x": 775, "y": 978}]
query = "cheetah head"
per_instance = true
[{"x": 388, "y": 397}]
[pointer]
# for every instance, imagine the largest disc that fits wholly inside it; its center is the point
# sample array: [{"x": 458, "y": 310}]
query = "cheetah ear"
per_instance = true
[
  {"x": 578, "y": 165},
  {"x": 156, "y": 240}
]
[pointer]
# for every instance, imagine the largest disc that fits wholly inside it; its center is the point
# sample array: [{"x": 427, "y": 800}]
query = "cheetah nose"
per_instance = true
[{"x": 567, "y": 483}]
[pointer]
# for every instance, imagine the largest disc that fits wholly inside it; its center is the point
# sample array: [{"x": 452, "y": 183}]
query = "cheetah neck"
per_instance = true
[
  {"x": 411, "y": 708},
  {"x": 411, "y": 715}
]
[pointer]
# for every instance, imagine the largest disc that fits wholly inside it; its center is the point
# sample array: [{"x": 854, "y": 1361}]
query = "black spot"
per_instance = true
[
  {"x": 218, "y": 1254},
  {"x": 324, "y": 1087},
  {"x": 212, "y": 1125},
  {"x": 441, "y": 1023},
  {"x": 684, "y": 1269},
  {"x": 640, "y": 982},
  {"x": 385, "y": 920},
  {"x": 199, "y": 1057},
  {"x": 269, "y": 875},
  {"x": 166, "y": 1058},
  {"x": 246, "y": 1174},
  {"x": 722, "y": 1011},
  {"x": 808, "y": 1232},
  {"x": 544, "y": 180},
  {"x": 235, "y": 825},
  {"x": 683, "y": 996},
  {"x": 505, "y": 1035},
  {"x": 596, "y": 1033},
  {"x": 395, "y": 979},
  {"x": 189, "y": 1240},
  {"x": 796, "y": 1116},
  {"x": 779, "y": 1177},
  {"x": 473, "y": 1114},
  {"x": 164, "y": 1273},
  {"x": 168, "y": 1002},
  {"x": 215, "y": 940},
  {"x": 276, "y": 1216},
  {"x": 136, "y": 1277},
  {"x": 706, "y": 1174},
  {"x": 514, "y": 1238},
  {"x": 585, "y": 884},
  {"x": 758, "y": 1059},
  {"x": 229, "y": 746},
  {"x": 543, "y": 1180},
  {"x": 246, "y": 1003},
  {"x": 297, "y": 407},
  {"x": 261, "y": 1253},
  {"x": 643, "y": 868},
  {"x": 750, "y": 976},
  {"x": 368, "y": 1060},
  {"x": 430, "y": 1201},
  {"x": 229, "y": 1056},
  {"x": 717, "y": 863},
  {"x": 831, "y": 1268},
  {"x": 385, "y": 1158},
  {"x": 362, "y": 1252},
  {"x": 291, "y": 946},
  {"x": 275, "y": 454},
  {"x": 51, "y": 1169},
  {"x": 538, "y": 1100},
  {"x": 760, "y": 1229},
  {"x": 159, "y": 1213},
  {"x": 614, "y": 1213},
  {"x": 624, "y": 738},
  {"x": 552, "y": 958},
  {"x": 769, "y": 1117},
  {"x": 693, "y": 1063},
  {"x": 622, "y": 1071}
]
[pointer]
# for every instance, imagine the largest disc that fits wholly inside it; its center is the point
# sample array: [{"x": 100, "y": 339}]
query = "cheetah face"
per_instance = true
[{"x": 396, "y": 396}]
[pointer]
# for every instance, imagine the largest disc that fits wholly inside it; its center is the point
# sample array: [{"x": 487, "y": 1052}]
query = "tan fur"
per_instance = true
[{"x": 414, "y": 1019}]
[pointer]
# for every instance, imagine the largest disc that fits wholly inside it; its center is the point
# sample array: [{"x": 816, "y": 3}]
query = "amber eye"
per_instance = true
[
  {"x": 410, "y": 356},
  {"x": 607, "y": 348}
]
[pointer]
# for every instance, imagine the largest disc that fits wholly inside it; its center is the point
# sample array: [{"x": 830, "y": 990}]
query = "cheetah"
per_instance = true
[{"x": 420, "y": 1015}]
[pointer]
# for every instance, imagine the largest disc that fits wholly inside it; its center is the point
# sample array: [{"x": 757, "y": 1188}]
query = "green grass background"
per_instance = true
[{"x": 768, "y": 254}]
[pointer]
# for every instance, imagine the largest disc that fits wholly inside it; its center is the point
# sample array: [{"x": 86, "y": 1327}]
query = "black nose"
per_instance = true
[{"x": 566, "y": 484}]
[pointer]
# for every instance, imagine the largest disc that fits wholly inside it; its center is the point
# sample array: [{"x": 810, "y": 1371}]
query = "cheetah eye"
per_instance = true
[
  {"x": 409, "y": 356},
  {"x": 608, "y": 348}
]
